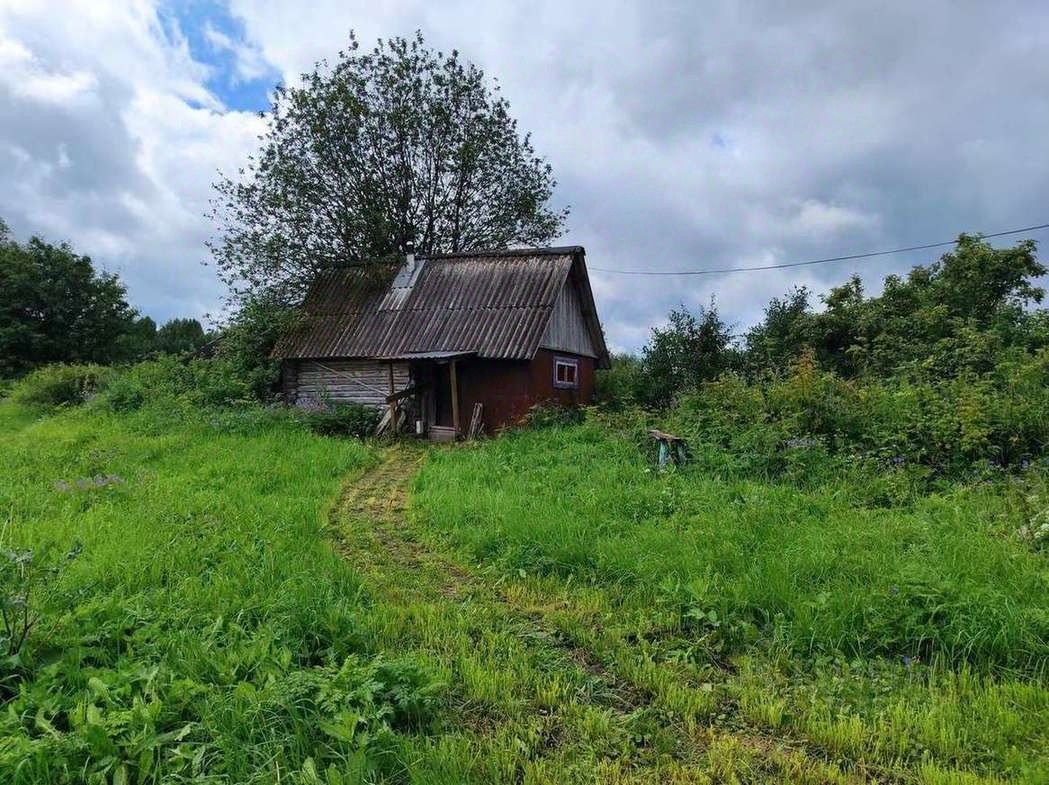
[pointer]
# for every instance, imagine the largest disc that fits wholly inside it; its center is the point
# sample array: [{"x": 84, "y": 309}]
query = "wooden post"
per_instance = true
[
  {"x": 393, "y": 405},
  {"x": 455, "y": 398}
]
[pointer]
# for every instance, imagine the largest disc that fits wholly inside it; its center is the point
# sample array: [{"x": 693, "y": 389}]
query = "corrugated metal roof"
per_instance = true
[{"x": 495, "y": 304}]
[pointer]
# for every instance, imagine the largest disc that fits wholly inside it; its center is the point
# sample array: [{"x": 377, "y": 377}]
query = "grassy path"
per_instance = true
[{"x": 536, "y": 698}]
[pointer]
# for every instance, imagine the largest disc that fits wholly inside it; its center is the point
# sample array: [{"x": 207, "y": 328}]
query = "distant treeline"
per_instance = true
[
  {"x": 944, "y": 374},
  {"x": 963, "y": 315},
  {"x": 56, "y": 308}
]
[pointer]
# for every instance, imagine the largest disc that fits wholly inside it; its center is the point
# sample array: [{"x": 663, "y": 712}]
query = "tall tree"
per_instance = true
[
  {"x": 180, "y": 335},
  {"x": 782, "y": 334},
  {"x": 54, "y": 307},
  {"x": 396, "y": 144},
  {"x": 693, "y": 348}
]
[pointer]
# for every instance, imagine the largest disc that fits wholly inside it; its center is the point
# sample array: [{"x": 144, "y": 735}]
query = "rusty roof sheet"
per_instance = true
[{"x": 495, "y": 304}]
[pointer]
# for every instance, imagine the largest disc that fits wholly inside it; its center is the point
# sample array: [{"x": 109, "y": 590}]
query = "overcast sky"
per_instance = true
[{"x": 683, "y": 134}]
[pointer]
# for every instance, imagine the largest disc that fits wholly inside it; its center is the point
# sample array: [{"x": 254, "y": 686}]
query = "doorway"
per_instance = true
[{"x": 442, "y": 395}]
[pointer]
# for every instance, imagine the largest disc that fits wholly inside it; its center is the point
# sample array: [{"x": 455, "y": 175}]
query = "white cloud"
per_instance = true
[
  {"x": 814, "y": 218},
  {"x": 110, "y": 138},
  {"x": 27, "y": 77},
  {"x": 683, "y": 136},
  {"x": 250, "y": 64}
]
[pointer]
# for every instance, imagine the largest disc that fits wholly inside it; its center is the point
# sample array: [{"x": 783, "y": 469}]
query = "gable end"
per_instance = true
[{"x": 567, "y": 330}]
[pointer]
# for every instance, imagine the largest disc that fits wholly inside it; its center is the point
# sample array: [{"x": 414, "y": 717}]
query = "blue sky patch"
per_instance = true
[{"x": 239, "y": 77}]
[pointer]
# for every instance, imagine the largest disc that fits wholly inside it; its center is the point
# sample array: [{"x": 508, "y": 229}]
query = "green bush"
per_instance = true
[
  {"x": 551, "y": 415},
  {"x": 61, "y": 385},
  {"x": 125, "y": 393},
  {"x": 812, "y": 424},
  {"x": 621, "y": 385},
  {"x": 343, "y": 419},
  {"x": 196, "y": 383}
]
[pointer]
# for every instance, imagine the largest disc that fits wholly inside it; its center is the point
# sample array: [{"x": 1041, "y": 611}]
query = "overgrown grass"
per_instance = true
[
  {"x": 207, "y": 631},
  {"x": 915, "y": 634},
  {"x": 550, "y": 610}
]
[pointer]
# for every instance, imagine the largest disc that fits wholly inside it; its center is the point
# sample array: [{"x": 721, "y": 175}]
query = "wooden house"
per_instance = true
[{"x": 446, "y": 342}]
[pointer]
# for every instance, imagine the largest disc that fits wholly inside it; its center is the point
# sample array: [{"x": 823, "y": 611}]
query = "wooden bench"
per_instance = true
[{"x": 672, "y": 449}]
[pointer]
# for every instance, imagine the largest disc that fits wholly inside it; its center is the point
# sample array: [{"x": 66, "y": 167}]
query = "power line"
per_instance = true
[{"x": 867, "y": 255}]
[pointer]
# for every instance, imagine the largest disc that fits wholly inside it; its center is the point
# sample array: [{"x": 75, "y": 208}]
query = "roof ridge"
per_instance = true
[{"x": 552, "y": 250}]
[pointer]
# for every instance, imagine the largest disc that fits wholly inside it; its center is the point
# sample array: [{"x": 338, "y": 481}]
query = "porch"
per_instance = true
[{"x": 431, "y": 406}]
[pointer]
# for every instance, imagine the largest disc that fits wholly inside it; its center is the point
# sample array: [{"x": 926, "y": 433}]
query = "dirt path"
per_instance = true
[{"x": 545, "y": 706}]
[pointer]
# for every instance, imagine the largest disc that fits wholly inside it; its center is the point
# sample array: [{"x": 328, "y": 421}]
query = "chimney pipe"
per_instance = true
[{"x": 409, "y": 256}]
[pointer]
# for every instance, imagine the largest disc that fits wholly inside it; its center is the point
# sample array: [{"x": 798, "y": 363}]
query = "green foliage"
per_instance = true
[
  {"x": 622, "y": 384},
  {"x": 692, "y": 349},
  {"x": 179, "y": 336},
  {"x": 181, "y": 383},
  {"x": 782, "y": 335},
  {"x": 61, "y": 385},
  {"x": 139, "y": 340},
  {"x": 343, "y": 419},
  {"x": 245, "y": 344},
  {"x": 547, "y": 415},
  {"x": 370, "y": 153},
  {"x": 960, "y": 427},
  {"x": 54, "y": 307},
  {"x": 26, "y": 585},
  {"x": 207, "y": 632},
  {"x": 953, "y": 317}
]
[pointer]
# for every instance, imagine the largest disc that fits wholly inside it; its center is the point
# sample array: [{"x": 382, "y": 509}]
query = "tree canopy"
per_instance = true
[
  {"x": 401, "y": 143},
  {"x": 55, "y": 307},
  {"x": 953, "y": 315},
  {"x": 958, "y": 317}
]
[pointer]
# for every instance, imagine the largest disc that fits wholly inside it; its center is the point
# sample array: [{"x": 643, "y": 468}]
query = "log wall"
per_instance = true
[{"x": 342, "y": 381}]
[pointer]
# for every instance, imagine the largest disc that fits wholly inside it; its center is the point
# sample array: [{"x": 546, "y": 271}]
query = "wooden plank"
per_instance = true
[
  {"x": 664, "y": 437},
  {"x": 455, "y": 396},
  {"x": 567, "y": 330},
  {"x": 348, "y": 381},
  {"x": 442, "y": 433},
  {"x": 476, "y": 423},
  {"x": 407, "y": 392},
  {"x": 392, "y": 403}
]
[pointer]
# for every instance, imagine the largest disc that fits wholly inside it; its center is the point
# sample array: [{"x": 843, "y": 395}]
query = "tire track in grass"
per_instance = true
[{"x": 370, "y": 528}]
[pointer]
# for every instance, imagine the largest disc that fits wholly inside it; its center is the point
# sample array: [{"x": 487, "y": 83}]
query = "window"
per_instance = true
[{"x": 566, "y": 373}]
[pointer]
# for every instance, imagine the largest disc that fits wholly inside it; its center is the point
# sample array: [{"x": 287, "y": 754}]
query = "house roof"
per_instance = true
[{"x": 495, "y": 304}]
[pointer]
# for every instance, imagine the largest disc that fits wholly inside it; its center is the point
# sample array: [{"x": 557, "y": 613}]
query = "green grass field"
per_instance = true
[{"x": 254, "y": 603}]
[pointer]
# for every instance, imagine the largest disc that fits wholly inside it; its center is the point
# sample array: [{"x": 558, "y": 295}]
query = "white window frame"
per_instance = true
[{"x": 568, "y": 362}]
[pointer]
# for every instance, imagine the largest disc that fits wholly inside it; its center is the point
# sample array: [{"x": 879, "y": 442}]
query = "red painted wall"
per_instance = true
[{"x": 508, "y": 389}]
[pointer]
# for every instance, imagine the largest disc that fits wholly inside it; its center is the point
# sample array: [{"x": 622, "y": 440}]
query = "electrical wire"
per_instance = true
[{"x": 849, "y": 257}]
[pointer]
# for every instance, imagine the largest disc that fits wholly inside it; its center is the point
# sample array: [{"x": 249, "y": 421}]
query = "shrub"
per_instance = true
[
  {"x": 27, "y": 578},
  {"x": 550, "y": 415},
  {"x": 61, "y": 385},
  {"x": 125, "y": 393},
  {"x": 343, "y": 419},
  {"x": 621, "y": 385},
  {"x": 195, "y": 382}
]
